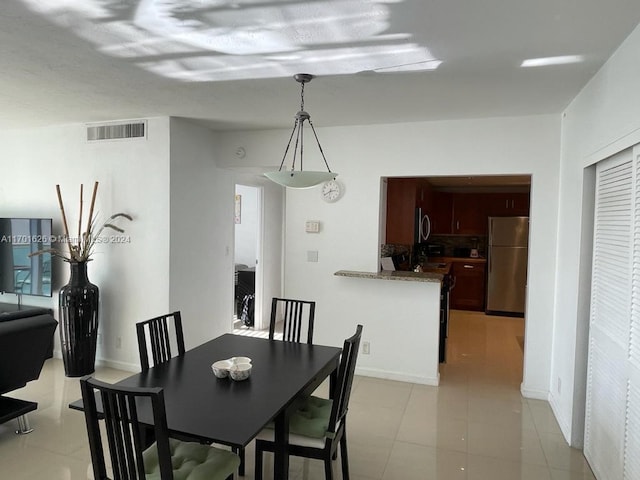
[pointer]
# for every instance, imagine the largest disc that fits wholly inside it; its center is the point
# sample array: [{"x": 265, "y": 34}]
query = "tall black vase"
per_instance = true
[{"x": 78, "y": 312}]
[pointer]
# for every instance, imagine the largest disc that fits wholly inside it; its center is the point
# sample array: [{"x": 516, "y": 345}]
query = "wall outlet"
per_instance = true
[
  {"x": 118, "y": 342},
  {"x": 559, "y": 385},
  {"x": 99, "y": 339},
  {"x": 366, "y": 348}
]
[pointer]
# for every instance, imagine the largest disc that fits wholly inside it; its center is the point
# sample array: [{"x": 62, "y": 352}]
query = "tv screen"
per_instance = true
[{"x": 19, "y": 273}]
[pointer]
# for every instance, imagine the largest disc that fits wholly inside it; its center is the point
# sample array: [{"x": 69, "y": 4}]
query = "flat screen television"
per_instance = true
[{"x": 19, "y": 273}]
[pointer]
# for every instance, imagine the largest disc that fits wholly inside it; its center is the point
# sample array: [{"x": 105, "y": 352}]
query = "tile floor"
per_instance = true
[{"x": 474, "y": 426}]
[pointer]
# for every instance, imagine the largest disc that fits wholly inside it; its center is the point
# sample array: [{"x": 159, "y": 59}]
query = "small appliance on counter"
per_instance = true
[
  {"x": 430, "y": 250},
  {"x": 474, "y": 249}
]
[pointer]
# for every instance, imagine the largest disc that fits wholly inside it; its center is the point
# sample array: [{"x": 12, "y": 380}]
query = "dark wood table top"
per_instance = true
[{"x": 226, "y": 411}]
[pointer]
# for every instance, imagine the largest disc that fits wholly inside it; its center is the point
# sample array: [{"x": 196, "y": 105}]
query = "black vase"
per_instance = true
[{"x": 78, "y": 312}]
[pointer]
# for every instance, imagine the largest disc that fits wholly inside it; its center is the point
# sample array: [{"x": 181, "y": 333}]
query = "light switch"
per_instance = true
[
  {"x": 312, "y": 255},
  {"x": 312, "y": 226}
]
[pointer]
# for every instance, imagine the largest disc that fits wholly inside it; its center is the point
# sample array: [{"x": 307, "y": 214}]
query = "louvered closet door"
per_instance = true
[{"x": 612, "y": 424}]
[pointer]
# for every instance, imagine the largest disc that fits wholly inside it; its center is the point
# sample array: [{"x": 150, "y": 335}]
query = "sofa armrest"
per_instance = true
[{"x": 24, "y": 343}]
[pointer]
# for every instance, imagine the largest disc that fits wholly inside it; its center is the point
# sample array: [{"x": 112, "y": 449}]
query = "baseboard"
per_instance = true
[
  {"x": 534, "y": 393},
  {"x": 103, "y": 362},
  {"x": 399, "y": 377},
  {"x": 565, "y": 427},
  {"x": 127, "y": 367}
]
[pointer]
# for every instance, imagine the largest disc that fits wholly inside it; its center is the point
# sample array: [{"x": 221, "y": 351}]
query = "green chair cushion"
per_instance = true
[
  {"x": 311, "y": 418},
  {"x": 192, "y": 461}
]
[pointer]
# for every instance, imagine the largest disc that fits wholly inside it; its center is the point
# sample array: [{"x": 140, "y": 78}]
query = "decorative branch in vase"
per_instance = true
[
  {"x": 78, "y": 301},
  {"x": 81, "y": 248}
]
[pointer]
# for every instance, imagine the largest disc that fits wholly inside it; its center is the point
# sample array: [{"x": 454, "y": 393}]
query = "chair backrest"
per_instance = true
[
  {"x": 160, "y": 338},
  {"x": 123, "y": 432},
  {"x": 346, "y": 370},
  {"x": 296, "y": 315}
]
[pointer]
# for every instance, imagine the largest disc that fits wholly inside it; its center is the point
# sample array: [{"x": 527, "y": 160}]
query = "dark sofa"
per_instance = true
[{"x": 25, "y": 342}]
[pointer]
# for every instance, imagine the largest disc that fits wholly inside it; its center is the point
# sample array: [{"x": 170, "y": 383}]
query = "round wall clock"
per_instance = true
[{"x": 331, "y": 191}]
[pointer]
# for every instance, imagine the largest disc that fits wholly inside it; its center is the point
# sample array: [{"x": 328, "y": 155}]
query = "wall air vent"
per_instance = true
[{"x": 117, "y": 131}]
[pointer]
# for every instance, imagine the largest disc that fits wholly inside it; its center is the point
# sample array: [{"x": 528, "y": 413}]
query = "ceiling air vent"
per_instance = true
[{"x": 117, "y": 131}]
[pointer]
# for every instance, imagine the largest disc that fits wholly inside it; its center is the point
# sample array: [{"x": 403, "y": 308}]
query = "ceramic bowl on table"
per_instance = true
[
  {"x": 238, "y": 360},
  {"x": 240, "y": 371},
  {"x": 221, "y": 368}
]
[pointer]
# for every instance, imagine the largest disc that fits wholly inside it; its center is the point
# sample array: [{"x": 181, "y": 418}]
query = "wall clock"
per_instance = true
[{"x": 331, "y": 191}]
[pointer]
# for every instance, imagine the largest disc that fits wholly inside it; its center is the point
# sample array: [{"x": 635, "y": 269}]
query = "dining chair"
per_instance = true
[
  {"x": 296, "y": 316},
  {"x": 130, "y": 458},
  {"x": 161, "y": 340},
  {"x": 318, "y": 425}
]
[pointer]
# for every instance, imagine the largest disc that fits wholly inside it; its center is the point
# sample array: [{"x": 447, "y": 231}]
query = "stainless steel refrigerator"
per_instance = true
[{"x": 507, "y": 265}]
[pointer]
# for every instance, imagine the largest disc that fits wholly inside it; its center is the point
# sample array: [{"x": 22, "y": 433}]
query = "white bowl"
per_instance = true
[
  {"x": 239, "y": 360},
  {"x": 240, "y": 371},
  {"x": 221, "y": 368}
]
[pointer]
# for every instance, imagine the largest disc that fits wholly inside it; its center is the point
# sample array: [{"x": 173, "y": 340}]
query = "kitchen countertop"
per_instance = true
[{"x": 428, "y": 277}]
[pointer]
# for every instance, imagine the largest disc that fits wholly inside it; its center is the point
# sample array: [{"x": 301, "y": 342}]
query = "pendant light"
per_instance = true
[{"x": 300, "y": 178}]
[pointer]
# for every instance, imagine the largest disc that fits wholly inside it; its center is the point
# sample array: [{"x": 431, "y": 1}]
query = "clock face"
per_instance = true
[{"x": 331, "y": 191}]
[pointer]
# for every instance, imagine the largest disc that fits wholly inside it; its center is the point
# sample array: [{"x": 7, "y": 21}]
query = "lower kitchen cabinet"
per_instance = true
[{"x": 469, "y": 290}]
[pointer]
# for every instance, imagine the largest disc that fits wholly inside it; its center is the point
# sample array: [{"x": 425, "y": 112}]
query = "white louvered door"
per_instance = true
[{"x": 612, "y": 423}]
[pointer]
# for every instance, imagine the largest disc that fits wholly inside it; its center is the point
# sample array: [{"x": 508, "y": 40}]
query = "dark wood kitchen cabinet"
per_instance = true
[
  {"x": 401, "y": 211},
  {"x": 469, "y": 214},
  {"x": 507, "y": 205},
  {"x": 458, "y": 213},
  {"x": 441, "y": 213},
  {"x": 469, "y": 290},
  {"x": 404, "y": 196}
]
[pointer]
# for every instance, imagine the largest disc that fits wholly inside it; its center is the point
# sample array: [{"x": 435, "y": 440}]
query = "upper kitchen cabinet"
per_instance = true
[
  {"x": 441, "y": 213},
  {"x": 469, "y": 214},
  {"x": 507, "y": 204},
  {"x": 458, "y": 213},
  {"x": 401, "y": 210}
]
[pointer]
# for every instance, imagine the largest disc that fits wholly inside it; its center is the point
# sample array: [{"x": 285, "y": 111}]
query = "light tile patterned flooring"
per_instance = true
[{"x": 474, "y": 426}]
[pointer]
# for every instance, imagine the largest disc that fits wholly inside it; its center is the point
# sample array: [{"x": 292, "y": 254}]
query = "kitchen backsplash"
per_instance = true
[
  {"x": 452, "y": 245},
  {"x": 456, "y": 243}
]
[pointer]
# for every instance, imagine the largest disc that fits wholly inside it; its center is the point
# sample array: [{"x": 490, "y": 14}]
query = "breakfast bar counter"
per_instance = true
[{"x": 394, "y": 275}]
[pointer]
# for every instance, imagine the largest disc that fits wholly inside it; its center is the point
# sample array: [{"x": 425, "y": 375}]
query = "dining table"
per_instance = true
[{"x": 221, "y": 410}]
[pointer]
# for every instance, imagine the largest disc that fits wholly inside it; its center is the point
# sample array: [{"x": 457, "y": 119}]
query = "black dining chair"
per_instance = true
[
  {"x": 318, "y": 426},
  {"x": 161, "y": 340},
  {"x": 130, "y": 458},
  {"x": 297, "y": 317},
  {"x": 162, "y": 337}
]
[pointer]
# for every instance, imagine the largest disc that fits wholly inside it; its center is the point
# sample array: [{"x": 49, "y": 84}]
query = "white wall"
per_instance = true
[
  {"x": 246, "y": 232},
  {"x": 201, "y": 233},
  {"x": 602, "y": 120},
  {"x": 350, "y": 227},
  {"x": 134, "y": 177}
]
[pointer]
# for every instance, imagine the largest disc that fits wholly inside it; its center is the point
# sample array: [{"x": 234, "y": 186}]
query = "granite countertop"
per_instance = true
[{"x": 402, "y": 276}]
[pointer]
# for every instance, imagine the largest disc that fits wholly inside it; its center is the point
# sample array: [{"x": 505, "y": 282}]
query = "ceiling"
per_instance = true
[{"x": 228, "y": 63}]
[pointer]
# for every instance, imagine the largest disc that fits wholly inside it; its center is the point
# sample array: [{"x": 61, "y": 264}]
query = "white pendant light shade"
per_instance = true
[
  {"x": 300, "y": 179},
  {"x": 290, "y": 177}
]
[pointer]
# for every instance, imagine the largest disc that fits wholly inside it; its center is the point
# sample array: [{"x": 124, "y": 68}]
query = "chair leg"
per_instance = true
[
  {"x": 344, "y": 456},
  {"x": 258, "y": 463},
  {"x": 328, "y": 468},
  {"x": 241, "y": 467},
  {"x": 240, "y": 452}
]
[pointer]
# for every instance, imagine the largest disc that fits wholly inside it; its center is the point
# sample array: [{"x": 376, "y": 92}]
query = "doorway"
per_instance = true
[{"x": 247, "y": 257}]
